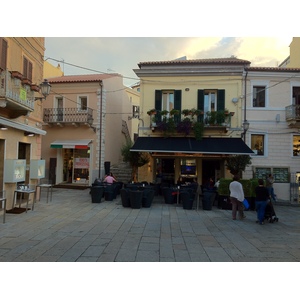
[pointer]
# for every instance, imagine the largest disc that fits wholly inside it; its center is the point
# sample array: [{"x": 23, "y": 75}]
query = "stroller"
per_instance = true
[{"x": 270, "y": 214}]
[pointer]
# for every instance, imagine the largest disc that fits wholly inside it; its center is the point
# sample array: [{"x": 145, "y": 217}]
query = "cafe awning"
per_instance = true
[
  {"x": 71, "y": 144},
  {"x": 20, "y": 126},
  {"x": 191, "y": 145}
]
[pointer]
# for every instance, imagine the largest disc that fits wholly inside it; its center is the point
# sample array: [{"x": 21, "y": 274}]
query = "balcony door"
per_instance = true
[
  {"x": 59, "y": 106},
  {"x": 296, "y": 95}
]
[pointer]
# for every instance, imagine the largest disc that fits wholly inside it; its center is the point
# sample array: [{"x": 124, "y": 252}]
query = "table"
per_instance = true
[
  {"x": 3, "y": 199},
  {"x": 48, "y": 186},
  {"x": 27, "y": 190}
]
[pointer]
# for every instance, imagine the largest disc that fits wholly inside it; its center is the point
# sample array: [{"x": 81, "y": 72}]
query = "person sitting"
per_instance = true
[{"x": 109, "y": 179}]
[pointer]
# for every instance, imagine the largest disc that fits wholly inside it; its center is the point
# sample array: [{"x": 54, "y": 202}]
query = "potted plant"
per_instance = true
[
  {"x": 198, "y": 129},
  {"x": 184, "y": 126},
  {"x": 16, "y": 74},
  {"x": 164, "y": 112},
  {"x": 211, "y": 117},
  {"x": 220, "y": 117},
  {"x": 26, "y": 81},
  {"x": 34, "y": 87},
  {"x": 152, "y": 111},
  {"x": 174, "y": 112},
  {"x": 186, "y": 112}
]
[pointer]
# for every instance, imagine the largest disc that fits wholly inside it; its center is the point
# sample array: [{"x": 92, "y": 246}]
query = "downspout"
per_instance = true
[
  {"x": 245, "y": 108},
  {"x": 100, "y": 129}
]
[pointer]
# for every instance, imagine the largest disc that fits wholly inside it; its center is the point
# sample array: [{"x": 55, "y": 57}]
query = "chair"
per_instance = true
[
  {"x": 186, "y": 200},
  {"x": 148, "y": 195},
  {"x": 3, "y": 200}
]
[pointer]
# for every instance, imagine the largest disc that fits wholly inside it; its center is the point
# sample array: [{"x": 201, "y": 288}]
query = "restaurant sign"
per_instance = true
[{"x": 82, "y": 163}]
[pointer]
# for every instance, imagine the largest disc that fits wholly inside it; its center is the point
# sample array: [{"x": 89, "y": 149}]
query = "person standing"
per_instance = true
[
  {"x": 261, "y": 200},
  {"x": 236, "y": 197},
  {"x": 269, "y": 185}
]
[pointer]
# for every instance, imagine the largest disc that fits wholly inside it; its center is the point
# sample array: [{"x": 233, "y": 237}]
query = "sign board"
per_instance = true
[{"x": 82, "y": 163}]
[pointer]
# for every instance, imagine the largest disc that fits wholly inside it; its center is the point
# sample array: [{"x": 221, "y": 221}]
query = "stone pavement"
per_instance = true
[{"x": 73, "y": 229}]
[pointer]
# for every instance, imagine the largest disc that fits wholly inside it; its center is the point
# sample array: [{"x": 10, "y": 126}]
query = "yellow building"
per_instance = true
[
  {"x": 21, "y": 72},
  {"x": 192, "y": 118},
  {"x": 293, "y": 60}
]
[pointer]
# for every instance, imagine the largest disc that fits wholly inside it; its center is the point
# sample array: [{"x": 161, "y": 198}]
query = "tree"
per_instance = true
[
  {"x": 236, "y": 164},
  {"x": 135, "y": 159}
]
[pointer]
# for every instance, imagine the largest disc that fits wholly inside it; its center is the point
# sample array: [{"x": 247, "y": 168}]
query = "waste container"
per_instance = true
[
  {"x": 97, "y": 193},
  {"x": 207, "y": 199}
]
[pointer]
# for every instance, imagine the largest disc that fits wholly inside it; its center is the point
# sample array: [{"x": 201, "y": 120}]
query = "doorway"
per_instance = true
[{"x": 210, "y": 169}]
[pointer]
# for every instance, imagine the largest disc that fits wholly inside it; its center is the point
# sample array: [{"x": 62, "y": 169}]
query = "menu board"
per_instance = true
[
  {"x": 262, "y": 173},
  {"x": 281, "y": 174}
]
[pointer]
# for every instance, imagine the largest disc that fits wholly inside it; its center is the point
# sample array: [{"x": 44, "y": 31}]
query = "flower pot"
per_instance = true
[
  {"x": 26, "y": 81},
  {"x": 35, "y": 87},
  {"x": 16, "y": 74}
]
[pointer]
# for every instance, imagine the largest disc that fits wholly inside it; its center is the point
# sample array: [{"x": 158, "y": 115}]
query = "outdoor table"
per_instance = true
[
  {"x": 24, "y": 189},
  {"x": 48, "y": 186},
  {"x": 3, "y": 199}
]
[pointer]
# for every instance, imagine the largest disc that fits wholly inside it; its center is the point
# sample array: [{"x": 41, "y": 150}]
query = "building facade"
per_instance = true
[
  {"x": 86, "y": 119},
  {"x": 21, "y": 72},
  {"x": 192, "y": 118}
]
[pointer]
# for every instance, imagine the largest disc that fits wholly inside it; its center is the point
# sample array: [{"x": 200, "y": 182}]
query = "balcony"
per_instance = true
[
  {"x": 16, "y": 95},
  {"x": 63, "y": 116},
  {"x": 292, "y": 115}
]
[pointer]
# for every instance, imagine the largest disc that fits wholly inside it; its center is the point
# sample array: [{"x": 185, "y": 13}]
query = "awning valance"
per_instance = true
[
  {"x": 21, "y": 126},
  {"x": 191, "y": 145},
  {"x": 71, "y": 144}
]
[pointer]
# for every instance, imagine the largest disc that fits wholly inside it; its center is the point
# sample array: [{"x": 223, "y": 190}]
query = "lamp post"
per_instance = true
[
  {"x": 245, "y": 128},
  {"x": 45, "y": 88}
]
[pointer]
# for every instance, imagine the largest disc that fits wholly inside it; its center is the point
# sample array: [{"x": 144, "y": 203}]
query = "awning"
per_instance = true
[
  {"x": 191, "y": 145},
  {"x": 21, "y": 126},
  {"x": 71, "y": 144}
]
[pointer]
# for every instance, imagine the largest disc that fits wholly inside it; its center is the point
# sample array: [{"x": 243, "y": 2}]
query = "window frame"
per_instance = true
[
  {"x": 3, "y": 53},
  {"x": 27, "y": 68},
  {"x": 80, "y": 107},
  {"x": 264, "y": 84},
  {"x": 264, "y": 143}
]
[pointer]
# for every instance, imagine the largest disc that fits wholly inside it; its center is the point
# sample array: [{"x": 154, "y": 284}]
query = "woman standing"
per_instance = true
[
  {"x": 261, "y": 200},
  {"x": 236, "y": 197}
]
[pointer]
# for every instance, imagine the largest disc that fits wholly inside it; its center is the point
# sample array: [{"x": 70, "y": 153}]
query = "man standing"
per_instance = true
[
  {"x": 236, "y": 197},
  {"x": 269, "y": 186}
]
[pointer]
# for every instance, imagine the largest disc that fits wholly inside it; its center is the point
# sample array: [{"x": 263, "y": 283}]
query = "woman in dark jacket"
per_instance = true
[{"x": 261, "y": 200}]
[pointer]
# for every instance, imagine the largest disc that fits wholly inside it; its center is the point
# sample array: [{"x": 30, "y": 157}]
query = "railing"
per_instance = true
[
  {"x": 13, "y": 91},
  {"x": 68, "y": 115},
  {"x": 292, "y": 112}
]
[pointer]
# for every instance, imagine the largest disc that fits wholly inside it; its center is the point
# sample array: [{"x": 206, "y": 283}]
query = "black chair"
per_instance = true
[
  {"x": 148, "y": 195},
  {"x": 125, "y": 197},
  {"x": 97, "y": 193},
  {"x": 109, "y": 192}
]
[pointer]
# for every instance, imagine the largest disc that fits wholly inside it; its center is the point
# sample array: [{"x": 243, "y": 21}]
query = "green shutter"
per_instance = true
[
  {"x": 221, "y": 100},
  {"x": 158, "y": 103},
  {"x": 177, "y": 104},
  {"x": 200, "y": 104}
]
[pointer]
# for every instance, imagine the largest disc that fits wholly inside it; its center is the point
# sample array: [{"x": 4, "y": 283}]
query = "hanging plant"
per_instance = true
[
  {"x": 186, "y": 112},
  {"x": 174, "y": 112},
  {"x": 198, "y": 129},
  {"x": 184, "y": 126},
  {"x": 152, "y": 111}
]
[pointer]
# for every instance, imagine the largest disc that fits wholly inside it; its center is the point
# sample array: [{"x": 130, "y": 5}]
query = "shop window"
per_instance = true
[
  {"x": 258, "y": 144},
  {"x": 296, "y": 145}
]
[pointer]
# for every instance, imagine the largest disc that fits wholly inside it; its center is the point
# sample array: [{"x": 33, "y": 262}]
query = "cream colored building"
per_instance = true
[
  {"x": 208, "y": 85},
  {"x": 87, "y": 122},
  {"x": 21, "y": 72},
  {"x": 293, "y": 60}
]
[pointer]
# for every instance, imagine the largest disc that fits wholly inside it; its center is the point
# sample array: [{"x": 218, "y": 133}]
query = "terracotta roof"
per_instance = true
[
  {"x": 82, "y": 78},
  {"x": 230, "y": 60},
  {"x": 272, "y": 69}
]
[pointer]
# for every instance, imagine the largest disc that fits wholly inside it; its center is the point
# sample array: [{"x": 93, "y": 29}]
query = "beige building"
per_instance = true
[
  {"x": 293, "y": 60},
  {"x": 87, "y": 119},
  {"x": 21, "y": 72},
  {"x": 206, "y": 97}
]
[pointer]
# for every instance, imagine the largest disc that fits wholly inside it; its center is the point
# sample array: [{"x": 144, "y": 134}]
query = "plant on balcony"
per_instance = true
[
  {"x": 220, "y": 117},
  {"x": 174, "y": 112},
  {"x": 196, "y": 112},
  {"x": 16, "y": 74},
  {"x": 186, "y": 112},
  {"x": 164, "y": 113},
  {"x": 198, "y": 129},
  {"x": 184, "y": 126},
  {"x": 26, "y": 81},
  {"x": 34, "y": 87},
  {"x": 152, "y": 111},
  {"x": 211, "y": 117},
  {"x": 167, "y": 126}
]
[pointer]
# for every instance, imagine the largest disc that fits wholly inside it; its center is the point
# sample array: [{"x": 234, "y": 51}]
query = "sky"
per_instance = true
[{"x": 86, "y": 55}]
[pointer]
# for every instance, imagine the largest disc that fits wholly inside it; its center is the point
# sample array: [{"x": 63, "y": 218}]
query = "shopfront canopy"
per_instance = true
[
  {"x": 191, "y": 145},
  {"x": 20, "y": 126},
  {"x": 71, "y": 144}
]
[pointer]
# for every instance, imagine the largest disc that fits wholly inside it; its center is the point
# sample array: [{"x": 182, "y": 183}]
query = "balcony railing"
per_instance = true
[
  {"x": 68, "y": 115},
  {"x": 292, "y": 113},
  {"x": 16, "y": 94}
]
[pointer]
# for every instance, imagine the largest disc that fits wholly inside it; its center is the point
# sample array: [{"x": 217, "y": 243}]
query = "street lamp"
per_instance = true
[
  {"x": 245, "y": 128},
  {"x": 45, "y": 88}
]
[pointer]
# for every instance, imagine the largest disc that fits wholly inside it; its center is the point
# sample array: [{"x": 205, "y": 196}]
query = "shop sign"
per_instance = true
[{"x": 82, "y": 163}]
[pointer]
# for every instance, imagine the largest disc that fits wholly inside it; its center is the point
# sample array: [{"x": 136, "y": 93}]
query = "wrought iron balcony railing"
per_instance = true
[
  {"x": 68, "y": 115},
  {"x": 16, "y": 93},
  {"x": 292, "y": 113}
]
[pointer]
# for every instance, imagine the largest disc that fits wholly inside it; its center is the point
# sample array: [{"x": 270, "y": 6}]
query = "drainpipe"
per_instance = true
[
  {"x": 245, "y": 122},
  {"x": 100, "y": 129}
]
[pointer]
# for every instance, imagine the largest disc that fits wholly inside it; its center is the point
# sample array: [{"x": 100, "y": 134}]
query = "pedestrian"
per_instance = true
[
  {"x": 261, "y": 199},
  {"x": 269, "y": 185},
  {"x": 236, "y": 197}
]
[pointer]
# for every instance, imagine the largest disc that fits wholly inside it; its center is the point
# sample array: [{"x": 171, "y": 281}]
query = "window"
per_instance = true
[
  {"x": 259, "y": 96},
  {"x": 296, "y": 95},
  {"x": 135, "y": 111},
  {"x": 82, "y": 103},
  {"x": 296, "y": 145},
  {"x": 27, "y": 68},
  {"x": 167, "y": 100},
  {"x": 3, "y": 53},
  {"x": 210, "y": 101},
  {"x": 258, "y": 144}
]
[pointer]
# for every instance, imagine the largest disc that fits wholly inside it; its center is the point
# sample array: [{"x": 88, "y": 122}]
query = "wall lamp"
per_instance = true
[
  {"x": 245, "y": 128},
  {"x": 2, "y": 127},
  {"x": 27, "y": 133},
  {"x": 45, "y": 88}
]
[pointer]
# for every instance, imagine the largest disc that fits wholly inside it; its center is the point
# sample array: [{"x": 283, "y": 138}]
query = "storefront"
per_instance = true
[
  {"x": 187, "y": 159},
  {"x": 73, "y": 161}
]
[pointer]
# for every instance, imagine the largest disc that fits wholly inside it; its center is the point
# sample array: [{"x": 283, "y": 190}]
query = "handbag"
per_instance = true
[{"x": 246, "y": 204}]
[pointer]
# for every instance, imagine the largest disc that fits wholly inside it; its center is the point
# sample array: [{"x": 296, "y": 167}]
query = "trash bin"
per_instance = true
[
  {"x": 97, "y": 193},
  {"x": 207, "y": 199}
]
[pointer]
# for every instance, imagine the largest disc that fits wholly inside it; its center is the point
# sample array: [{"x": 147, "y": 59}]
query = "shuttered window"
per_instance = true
[
  {"x": 3, "y": 53},
  {"x": 27, "y": 68}
]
